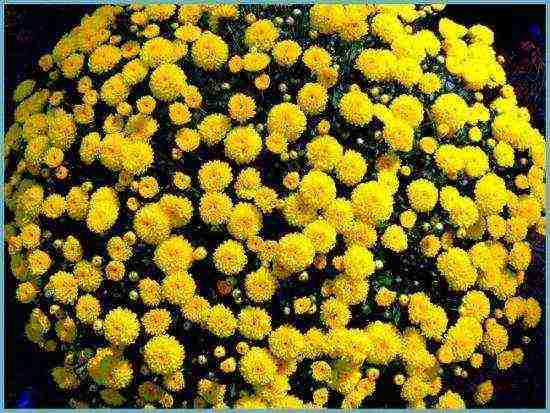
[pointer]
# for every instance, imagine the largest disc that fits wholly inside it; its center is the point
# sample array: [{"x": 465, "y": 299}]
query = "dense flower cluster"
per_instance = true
[{"x": 209, "y": 204}]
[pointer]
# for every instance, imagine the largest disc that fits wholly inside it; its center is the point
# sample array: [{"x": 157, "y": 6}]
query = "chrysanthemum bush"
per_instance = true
[{"x": 271, "y": 206}]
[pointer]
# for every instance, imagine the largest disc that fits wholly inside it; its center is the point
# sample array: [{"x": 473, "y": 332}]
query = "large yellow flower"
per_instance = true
[{"x": 210, "y": 51}]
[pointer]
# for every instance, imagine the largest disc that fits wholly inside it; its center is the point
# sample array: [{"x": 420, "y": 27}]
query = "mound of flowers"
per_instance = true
[{"x": 274, "y": 206}]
